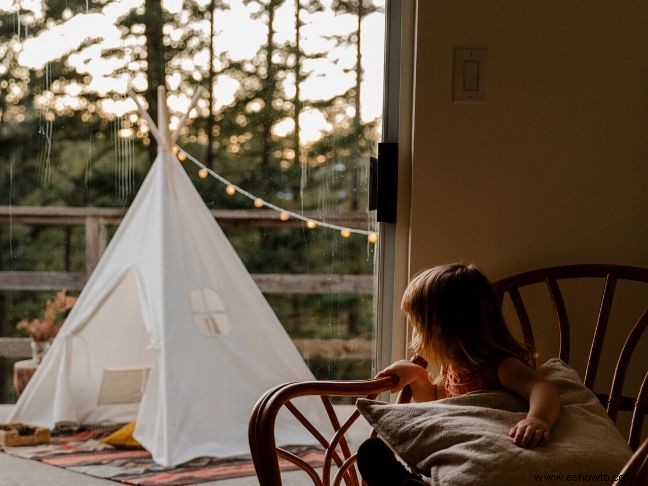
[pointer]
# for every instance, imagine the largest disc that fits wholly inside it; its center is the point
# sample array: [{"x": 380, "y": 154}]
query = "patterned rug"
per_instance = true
[{"x": 82, "y": 451}]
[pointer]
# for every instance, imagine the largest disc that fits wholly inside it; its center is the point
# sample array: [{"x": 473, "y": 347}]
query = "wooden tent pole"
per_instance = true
[
  {"x": 161, "y": 130},
  {"x": 163, "y": 118},
  {"x": 152, "y": 127}
]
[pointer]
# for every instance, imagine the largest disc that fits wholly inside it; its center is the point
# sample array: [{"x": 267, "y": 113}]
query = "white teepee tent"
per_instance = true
[{"x": 170, "y": 329}]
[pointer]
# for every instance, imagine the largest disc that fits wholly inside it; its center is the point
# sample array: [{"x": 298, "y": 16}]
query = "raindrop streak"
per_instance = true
[
  {"x": 88, "y": 167},
  {"x": 129, "y": 165},
  {"x": 124, "y": 160},
  {"x": 303, "y": 181},
  {"x": 11, "y": 197},
  {"x": 115, "y": 159},
  {"x": 119, "y": 160},
  {"x": 132, "y": 166},
  {"x": 45, "y": 132}
]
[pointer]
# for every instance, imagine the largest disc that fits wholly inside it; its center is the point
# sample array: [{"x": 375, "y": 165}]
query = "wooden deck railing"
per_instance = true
[
  {"x": 18, "y": 348},
  {"x": 96, "y": 222}
]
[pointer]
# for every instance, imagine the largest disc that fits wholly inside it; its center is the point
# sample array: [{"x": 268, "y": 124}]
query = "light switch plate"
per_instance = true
[{"x": 469, "y": 80}]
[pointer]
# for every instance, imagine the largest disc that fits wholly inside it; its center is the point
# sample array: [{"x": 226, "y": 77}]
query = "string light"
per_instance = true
[
  {"x": 175, "y": 150},
  {"x": 284, "y": 214},
  {"x": 202, "y": 173}
]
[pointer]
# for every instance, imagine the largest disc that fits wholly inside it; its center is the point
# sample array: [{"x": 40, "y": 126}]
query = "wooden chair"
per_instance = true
[{"x": 339, "y": 460}]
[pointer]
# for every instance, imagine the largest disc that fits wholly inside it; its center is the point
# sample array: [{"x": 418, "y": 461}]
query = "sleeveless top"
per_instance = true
[
  {"x": 460, "y": 382},
  {"x": 481, "y": 378}
]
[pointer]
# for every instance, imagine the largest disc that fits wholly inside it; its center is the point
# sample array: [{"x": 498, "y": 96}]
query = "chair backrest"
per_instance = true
[
  {"x": 338, "y": 458},
  {"x": 614, "y": 401}
]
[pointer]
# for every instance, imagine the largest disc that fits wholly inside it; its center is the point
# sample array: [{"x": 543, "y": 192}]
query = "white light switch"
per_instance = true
[{"x": 469, "y": 75}]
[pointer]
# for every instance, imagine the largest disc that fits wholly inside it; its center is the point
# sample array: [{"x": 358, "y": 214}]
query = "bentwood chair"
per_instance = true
[{"x": 339, "y": 460}]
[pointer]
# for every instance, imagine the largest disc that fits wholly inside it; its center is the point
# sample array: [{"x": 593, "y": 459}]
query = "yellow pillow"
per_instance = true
[{"x": 123, "y": 437}]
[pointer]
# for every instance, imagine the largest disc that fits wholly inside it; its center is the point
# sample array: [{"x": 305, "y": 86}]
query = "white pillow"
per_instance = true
[{"x": 464, "y": 440}]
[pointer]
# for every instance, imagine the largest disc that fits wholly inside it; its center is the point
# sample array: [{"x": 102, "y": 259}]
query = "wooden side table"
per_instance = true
[{"x": 22, "y": 373}]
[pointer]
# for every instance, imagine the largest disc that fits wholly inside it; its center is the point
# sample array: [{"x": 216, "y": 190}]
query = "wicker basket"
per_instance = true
[{"x": 22, "y": 435}]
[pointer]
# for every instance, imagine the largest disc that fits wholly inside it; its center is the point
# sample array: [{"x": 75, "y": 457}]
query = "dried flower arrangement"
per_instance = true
[{"x": 55, "y": 312}]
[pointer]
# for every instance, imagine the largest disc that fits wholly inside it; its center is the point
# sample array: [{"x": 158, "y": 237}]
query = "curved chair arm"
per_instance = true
[
  {"x": 262, "y": 422},
  {"x": 635, "y": 472},
  {"x": 265, "y": 453}
]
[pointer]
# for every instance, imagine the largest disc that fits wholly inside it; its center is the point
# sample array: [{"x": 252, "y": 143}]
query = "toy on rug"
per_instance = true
[{"x": 22, "y": 435}]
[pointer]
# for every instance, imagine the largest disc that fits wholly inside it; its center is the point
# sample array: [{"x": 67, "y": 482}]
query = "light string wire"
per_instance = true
[{"x": 259, "y": 202}]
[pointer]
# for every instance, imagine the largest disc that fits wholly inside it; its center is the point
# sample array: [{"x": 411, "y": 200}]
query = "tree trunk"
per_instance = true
[
  {"x": 298, "y": 80},
  {"x": 357, "y": 122},
  {"x": 358, "y": 83},
  {"x": 353, "y": 321},
  {"x": 211, "y": 117},
  {"x": 155, "y": 59},
  {"x": 268, "y": 91},
  {"x": 68, "y": 249},
  {"x": 4, "y": 371}
]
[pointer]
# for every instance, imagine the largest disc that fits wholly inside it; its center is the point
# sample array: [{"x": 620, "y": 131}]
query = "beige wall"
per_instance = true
[{"x": 553, "y": 168}]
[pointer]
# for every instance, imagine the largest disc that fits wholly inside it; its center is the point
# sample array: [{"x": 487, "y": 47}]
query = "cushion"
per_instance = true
[
  {"x": 123, "y": 438},
  {"x": 464, "y": 440}
]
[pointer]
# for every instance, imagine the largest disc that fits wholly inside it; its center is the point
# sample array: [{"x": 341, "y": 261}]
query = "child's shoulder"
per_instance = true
[
  {"x": 527, "y": 359},
  {"x": 515, "y": 368}
]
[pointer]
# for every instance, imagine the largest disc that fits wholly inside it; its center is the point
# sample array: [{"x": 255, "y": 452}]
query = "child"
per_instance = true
[{"x": 458, "y": 325}]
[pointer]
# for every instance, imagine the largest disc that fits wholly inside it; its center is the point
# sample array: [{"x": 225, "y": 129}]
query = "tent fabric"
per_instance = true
[{"x": 170, "y": 304}]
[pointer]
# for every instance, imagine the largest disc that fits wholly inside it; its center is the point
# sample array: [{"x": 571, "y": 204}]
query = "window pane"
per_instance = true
[{"x": 290, "y": 117}]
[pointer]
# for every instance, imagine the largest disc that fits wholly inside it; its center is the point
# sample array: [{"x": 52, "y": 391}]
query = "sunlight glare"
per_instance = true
[
  {"x": 283, "y": 127},
  {"x": 61, "y": 39},
  {"x": 237, "y": 34},
  {"x": 225, "y": 90},
  {"x": 313, "y": 125},
  {"x": 172, "y": 6},
  {"x": 118, "y": 107}
]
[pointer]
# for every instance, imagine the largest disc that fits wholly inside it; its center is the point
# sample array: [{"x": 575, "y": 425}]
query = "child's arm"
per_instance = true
[
  {"x": 544, "y": 402},
  {"x": 408, "y": 373}
]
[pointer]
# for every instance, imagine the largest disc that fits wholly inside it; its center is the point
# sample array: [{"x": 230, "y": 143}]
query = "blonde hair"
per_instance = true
[{"x": 457, "y": 318}]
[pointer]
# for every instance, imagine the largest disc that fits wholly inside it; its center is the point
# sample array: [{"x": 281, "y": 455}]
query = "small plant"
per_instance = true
[{"x": 55, "y": 312}]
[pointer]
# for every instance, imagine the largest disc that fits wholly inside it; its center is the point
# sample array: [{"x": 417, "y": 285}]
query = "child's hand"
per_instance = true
[
  {"x": 406, "y": 372},
  {"x": 530, "y": 432}
]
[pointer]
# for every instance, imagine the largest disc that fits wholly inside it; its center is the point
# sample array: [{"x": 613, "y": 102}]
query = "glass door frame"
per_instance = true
[{"x": 392, "y": 263}]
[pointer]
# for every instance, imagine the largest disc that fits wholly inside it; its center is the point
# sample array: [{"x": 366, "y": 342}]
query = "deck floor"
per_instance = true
[{"x": 22, "y": 472}]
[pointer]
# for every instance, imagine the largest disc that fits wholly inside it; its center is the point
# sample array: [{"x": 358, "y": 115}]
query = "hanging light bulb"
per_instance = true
[
  {"x": 230, "y": 190},
  {"x": 175, "y": 150},
  {"x": 258, "y": 202},
  {"x": 372, "y": 237},
  {"x": 203, "y": 173},
  {"x": 345, "y": 233},
  {"x": 284, "y": 216},
  {"x": 311, "y": 224},
  {"x": 181, "y": 156}
]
